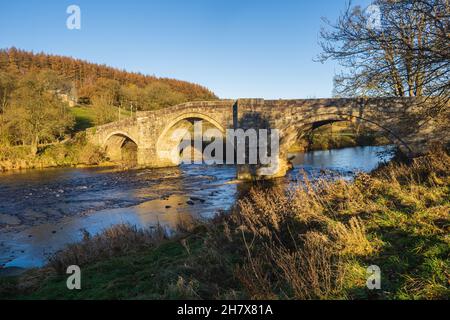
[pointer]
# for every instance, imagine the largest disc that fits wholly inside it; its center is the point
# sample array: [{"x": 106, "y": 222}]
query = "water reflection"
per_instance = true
[{"x": 346, "y": 162}]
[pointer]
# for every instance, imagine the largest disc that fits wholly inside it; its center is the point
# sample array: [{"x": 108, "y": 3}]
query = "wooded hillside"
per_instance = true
[
  {"x": 84, "y": 76},
  {"x": 39, "y": 94}
]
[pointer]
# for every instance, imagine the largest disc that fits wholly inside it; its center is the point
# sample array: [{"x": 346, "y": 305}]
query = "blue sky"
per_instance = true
[{"x": 237, "y": 48}]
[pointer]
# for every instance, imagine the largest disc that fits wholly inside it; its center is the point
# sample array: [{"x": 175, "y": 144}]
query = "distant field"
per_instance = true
[{"x": 85, "y": 116}]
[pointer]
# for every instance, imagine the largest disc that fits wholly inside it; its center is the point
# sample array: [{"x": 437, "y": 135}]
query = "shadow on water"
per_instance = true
[{"x": 41, "y": 211}]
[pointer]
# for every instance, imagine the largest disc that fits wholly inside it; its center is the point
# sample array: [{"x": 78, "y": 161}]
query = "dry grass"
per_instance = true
[
  {"x": 314, "y": 242},
  {"x": 293, "y": 248},
  {"x": 118, "y": 240},
  {"x": 351, "y": 238},
  {"x": 182, "y": 289}
]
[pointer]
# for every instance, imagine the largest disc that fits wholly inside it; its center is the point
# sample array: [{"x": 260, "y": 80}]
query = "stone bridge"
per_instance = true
[{"x": 151, "y": 132}]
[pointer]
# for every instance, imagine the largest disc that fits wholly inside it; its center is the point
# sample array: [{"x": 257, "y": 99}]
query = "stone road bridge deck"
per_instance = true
[{"x": 151, "y": 131}]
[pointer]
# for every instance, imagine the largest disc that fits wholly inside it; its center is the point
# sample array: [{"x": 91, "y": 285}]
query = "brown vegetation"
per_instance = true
[
  {"x": 314, "y": 242},
  {"x": 88, "y": 77},
  {"x": 117, "y": 240}
]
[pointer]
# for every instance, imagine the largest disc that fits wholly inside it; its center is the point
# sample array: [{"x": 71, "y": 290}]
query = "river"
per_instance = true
[{"x": 41, "y": 211}]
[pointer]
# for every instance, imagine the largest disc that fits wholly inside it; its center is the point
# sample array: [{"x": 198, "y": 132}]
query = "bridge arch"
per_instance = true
[
  {"x": 167, "y": 146},
  {"x": 121, "y": 147},
  {"x": 192, "y": 115},
  {"x": 290, "y": 133}
]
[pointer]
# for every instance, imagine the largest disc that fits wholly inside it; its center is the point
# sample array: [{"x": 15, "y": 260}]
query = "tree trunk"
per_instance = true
[{"x": 34, "y": 146}]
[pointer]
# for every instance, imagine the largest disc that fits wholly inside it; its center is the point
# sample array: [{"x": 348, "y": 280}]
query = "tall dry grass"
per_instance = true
[
  {"x": 293, "y": 244},
  {"x": 117, "y": 240},
  {"x": 302, "y": 243}
]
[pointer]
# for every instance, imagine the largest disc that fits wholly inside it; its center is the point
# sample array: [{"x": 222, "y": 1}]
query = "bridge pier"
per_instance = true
[
  {"x": 148, "y": 157},
  {"x": 143, "y": 156},
  {"x": 254, "y": 172}
]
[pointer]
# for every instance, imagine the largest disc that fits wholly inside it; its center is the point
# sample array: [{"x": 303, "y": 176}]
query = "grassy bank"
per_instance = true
[
  {"x": 314, "y": 242},
  {"x": 85, "y": 117},
  {"x": 74, "y": 152}
]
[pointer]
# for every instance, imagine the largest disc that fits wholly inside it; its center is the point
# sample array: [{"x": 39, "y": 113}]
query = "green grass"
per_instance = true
[
  {"x": 85, "y": 117},
  {"x": 145, "y": 275}
]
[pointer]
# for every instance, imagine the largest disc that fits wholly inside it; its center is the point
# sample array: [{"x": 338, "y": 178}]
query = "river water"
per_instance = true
[{"x": 41, "y": 211}]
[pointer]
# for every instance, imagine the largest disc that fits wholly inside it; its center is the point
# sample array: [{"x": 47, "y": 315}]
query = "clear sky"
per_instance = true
[{"x": 237, "y": 48}]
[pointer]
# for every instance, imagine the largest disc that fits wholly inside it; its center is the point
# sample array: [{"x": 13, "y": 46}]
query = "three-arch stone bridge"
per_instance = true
[{"x": 400, "y": 119}]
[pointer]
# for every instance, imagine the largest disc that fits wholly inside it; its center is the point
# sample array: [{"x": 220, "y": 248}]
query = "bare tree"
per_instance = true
[{"x": 405, "y": 54}]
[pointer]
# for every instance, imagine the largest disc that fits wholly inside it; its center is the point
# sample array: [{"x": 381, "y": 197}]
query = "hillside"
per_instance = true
[
  {"x": 84, "y": 76},
  {"x": 45, "y": 100}
]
